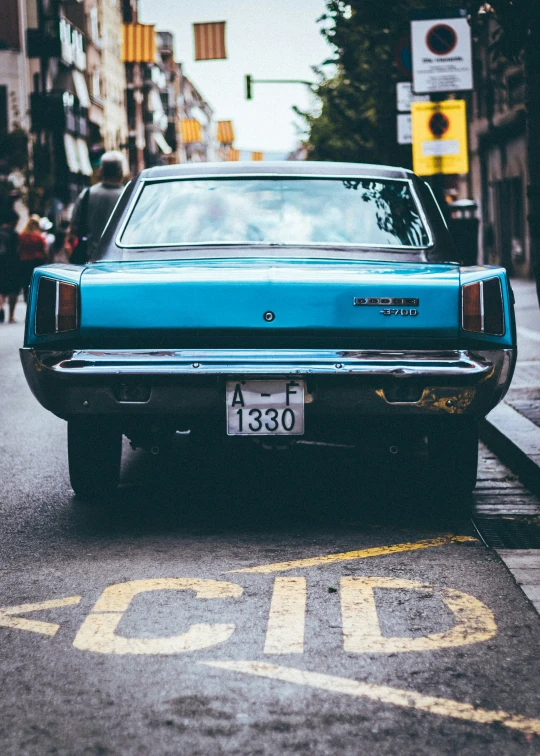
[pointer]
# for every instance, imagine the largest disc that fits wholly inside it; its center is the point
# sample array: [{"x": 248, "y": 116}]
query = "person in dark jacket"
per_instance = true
[
  {"x": 10, "y": 269},
  {"x": 94, "y": 206}
]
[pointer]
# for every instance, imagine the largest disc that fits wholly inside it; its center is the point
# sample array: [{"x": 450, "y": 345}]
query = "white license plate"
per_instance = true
[{"x": 265, "y": 408}]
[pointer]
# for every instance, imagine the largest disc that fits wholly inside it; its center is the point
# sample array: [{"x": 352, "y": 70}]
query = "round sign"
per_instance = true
[
  {"x": 441, "y": 39},
  {"x": 403, "y": 57},
  {"x": 439, "y": 124}
]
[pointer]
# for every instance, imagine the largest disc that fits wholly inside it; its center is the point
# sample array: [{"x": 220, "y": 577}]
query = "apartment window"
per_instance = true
[
  {"x": 94, "y": 24},
  {"x": 4, "y": 123},
  {"x": 96, "y": 83}
]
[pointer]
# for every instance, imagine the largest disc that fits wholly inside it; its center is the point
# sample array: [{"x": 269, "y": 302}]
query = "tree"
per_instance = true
[
  {"x": 519, "y": 37},
  {"x": 357, "y": 120}
]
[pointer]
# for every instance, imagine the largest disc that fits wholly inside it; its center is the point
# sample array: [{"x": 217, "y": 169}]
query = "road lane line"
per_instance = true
[
  {"x": 474, "y": 621},
  {"x": 350, "y": 555},
  {"x": 286, "y": 622},
  {"x": 7, "y": 618},
  {"x": 409, "y": 699},
  {"x": 98, "y": 631}
]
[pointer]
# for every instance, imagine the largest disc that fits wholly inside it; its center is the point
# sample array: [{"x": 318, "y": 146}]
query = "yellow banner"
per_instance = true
[
  {"x": 138, "y": 43},
  {"x": 225, "y": 132},
  {"x": 439, "y": 132}
]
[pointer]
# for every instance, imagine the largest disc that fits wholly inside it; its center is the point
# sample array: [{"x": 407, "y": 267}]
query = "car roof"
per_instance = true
[{"x": 284, "y": 167}]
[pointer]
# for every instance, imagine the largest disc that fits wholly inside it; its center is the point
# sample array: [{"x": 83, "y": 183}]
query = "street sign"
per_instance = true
[
  {"x": 405, "y": 95},
  {"x": 404, "y": 128},
  {"x": 439, "y": 131},
  {"x": 442, "y": 54},
  {"x": 403, "y": 57}
]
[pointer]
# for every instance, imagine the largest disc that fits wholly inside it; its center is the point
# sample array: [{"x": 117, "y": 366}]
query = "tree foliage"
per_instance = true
[{"x": 357, "y": 119}]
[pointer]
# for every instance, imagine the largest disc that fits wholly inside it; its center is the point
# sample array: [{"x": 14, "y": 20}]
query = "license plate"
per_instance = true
[{"x": 265, "y": 408}]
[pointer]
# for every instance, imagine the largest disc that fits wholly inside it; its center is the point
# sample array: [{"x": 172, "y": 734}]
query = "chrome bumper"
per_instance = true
[{"x": 186, "y": 382}]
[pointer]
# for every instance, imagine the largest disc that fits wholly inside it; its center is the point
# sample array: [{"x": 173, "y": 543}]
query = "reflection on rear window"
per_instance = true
[{"x": 364, "y": 212}]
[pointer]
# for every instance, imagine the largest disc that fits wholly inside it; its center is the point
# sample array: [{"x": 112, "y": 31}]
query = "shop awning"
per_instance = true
[
  {"x": 190, "y": 130},
  {"x": 84, "y": 158},
  {"x": 81, "y": 90},
  {"x": 162, "y": 143},
  {"x": 72, "y": 154}
]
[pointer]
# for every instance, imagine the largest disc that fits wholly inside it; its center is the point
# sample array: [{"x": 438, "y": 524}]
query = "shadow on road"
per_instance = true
[{"x": 247, "y": 489}]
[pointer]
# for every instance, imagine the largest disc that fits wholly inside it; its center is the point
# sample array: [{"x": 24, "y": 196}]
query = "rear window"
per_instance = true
[{"x": 285, "y": 211}]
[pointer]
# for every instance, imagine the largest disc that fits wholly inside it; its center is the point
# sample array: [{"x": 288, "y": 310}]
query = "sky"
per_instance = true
[{"x": 269, "y": 39}]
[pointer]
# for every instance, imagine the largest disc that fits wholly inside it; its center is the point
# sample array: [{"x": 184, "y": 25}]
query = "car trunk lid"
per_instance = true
[{"x": 210, "y": 299}]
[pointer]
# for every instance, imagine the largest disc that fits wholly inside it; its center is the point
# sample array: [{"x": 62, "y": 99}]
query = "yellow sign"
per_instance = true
[{"x": 439, "y": 132}]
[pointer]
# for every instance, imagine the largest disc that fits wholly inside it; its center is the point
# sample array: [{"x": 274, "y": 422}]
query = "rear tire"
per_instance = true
[
  {"x": 94, "y": 454},
  {"x": 453, "y": 461}
]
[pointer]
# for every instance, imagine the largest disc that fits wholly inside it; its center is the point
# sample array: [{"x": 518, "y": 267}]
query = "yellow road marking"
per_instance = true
[
  {"x": 286, "y": 623},
  {"x": 98, "y": 631},
  {"x": 361, "y": 554},
  {"x": 409, "y": 699},
  {"x": 474, "y": 621},
  {"x": 7, "y": 618}
]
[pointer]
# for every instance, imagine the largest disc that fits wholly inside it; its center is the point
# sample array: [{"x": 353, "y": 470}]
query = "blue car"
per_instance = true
[{"x": 273, "y": 302}]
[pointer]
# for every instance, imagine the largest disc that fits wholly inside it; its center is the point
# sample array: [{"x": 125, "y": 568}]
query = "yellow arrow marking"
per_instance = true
[
  {"x": 409, "y": 699},
  {"x": 7, "y": 618},
  {"x": 347, "y": 556}
]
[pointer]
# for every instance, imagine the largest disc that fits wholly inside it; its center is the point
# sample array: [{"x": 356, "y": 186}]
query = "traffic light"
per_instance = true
[{"x": 249, "y": 79}]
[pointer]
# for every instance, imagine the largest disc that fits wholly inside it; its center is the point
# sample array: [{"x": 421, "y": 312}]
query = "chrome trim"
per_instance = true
[
  {"x": 117, "y": 363},
  {"x": 341, "y": 383},
  {"x": 296, "y": 176}
]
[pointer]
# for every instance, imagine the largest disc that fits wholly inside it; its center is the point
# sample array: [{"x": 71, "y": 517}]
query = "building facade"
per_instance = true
[
  {"x": 113, "y": 76},
  {"x": 498, "y": 147},
  {"x": 69, "y": 91},
  {"x": 198, "y": 140}
]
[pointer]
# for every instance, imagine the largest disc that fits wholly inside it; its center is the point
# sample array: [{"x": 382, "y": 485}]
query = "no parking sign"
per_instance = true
[
  {"x": 442, "y": 54},
  {"x": 439, "y": 132}
]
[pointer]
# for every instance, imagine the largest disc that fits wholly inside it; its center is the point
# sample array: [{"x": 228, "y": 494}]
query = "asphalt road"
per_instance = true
[{"x": 336, "y": 644}]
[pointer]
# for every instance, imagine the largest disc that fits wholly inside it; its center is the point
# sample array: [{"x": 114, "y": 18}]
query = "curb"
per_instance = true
[{"x": 516, "y": 441}]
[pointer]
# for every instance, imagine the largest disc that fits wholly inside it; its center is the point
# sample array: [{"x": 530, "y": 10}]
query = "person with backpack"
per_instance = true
[
  {"x": 94, "y": 206},
  {"x": 10, "y": 271}
]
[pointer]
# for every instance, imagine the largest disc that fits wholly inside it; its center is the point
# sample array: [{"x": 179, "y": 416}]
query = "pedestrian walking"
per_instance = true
[
  {"x": 45, "y": 226},
  {"x": 10, "y": 269},
  {"x": 94, "y": 206},
  {"x": 32, "y": 251}
]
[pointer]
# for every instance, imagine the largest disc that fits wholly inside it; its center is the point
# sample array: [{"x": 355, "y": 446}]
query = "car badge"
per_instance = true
[{"x": 404, "y": 306}]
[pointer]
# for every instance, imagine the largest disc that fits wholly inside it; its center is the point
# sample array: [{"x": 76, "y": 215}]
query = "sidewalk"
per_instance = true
[{"x": 512, "y": 429}]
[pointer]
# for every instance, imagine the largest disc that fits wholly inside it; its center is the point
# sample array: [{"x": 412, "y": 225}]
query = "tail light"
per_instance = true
[
  {"x": 57, "y": 307},
  {"x": 483, "y": 309}
]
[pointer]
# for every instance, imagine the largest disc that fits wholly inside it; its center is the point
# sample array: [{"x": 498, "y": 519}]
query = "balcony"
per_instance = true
[{"x": 57, "y": 111}]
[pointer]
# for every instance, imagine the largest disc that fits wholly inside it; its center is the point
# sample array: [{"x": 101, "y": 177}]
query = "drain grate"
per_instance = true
[{"x": 509, "y": 532}]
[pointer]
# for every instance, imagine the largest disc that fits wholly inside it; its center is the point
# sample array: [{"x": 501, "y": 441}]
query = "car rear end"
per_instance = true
[{"x": 305, "y": 343}]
